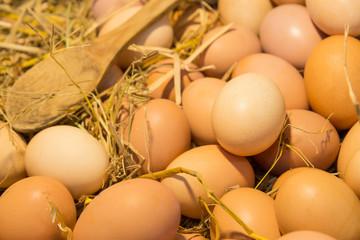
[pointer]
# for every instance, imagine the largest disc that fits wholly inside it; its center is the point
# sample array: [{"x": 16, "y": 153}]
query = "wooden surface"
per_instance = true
[{"x": 46, "y": 93}]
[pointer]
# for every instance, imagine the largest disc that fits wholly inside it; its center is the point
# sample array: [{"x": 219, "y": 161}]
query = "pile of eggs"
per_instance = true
[{"x": 286, "y": 108}]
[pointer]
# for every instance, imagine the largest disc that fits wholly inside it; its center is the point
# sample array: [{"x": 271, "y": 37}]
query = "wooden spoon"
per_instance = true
[{"x": 54, "y": 87}]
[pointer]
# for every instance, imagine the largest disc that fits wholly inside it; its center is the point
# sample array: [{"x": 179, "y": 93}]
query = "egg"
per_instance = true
[
  {"x": 288, "y": 32},
  {"x": 325, "y": 81},
  {"x": 218, "y": 168},
  {"x": 118, "y": 19},
  {"x": 158, "y": 34},
  {"x": 311, "y": 200},
  {"x": 12, "y": 149},
  {"x": 306, "y": 234},
  {"x": 232, "y": 46},
  {"x": 286, "y": 76},
  {"x": 70, "y": 155},
  {"x": 189, "y": 236},
  {"x": 244, "y": 13},
  {"x": 167, "y": 89},
  {"x": 248, "y": 114},
  {"x": 25, "y": 209},
  {"x": 310, "y": 140},
  {"x": 349, "y": 145},
  {"x": 133, "y": 209},
  {"x": 254, "y": 207},
  {"x": 159, "y": 132},
  {"x": 351, "y": 175},
  {"x": 197, "y": 101},
  {"x": 331, "y": 17},
  {"x": 279, "y": 181},
  {"x": 279, "y": 2},
  {"x": 102, "y": 8}
]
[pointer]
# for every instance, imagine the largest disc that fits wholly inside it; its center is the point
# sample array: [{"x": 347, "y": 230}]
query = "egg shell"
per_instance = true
[
  {"x": 244, "y": 13},
  {"x": 167, "y": 89},
  {"x": 331, "y": 17},
  {"x": 158, "y": 34},
  {"x": 304, "y": 234},
  {"x": 12, "y": 149},
  {"x": 197, "y": 101},
  {"x": 132, "y": 209},
  {"x": 189, "y": 236},
  {"x": 118, "y": 19},
  {"x": 71, "y": 156},
  {"x": 279, "y": 2},
  {"x": 286, "y": 76},
  {"x": 25, "y": 209},
  {"x": 349, "y": 145},
  {"x": 159, "y": 132},
  {"x": 288, "y": 32},
  {"x": 254, "y": 207},
  {"x": 351, "y": 175},
  {"x": 235, "y": 44},
  {"x": 279, "y": 181},
  {"x": 310, "y": 140},
  {"x": 248, "y": 114},
  {"x": 313, "y": 199},
  {"x": 325, "y": 82},
  {"x": 102, "y": 8},
  {"x": 219, "y": 169}
]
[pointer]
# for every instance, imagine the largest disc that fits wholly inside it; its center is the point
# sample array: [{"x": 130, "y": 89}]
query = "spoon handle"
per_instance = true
[{"x": 108, "y": 46}]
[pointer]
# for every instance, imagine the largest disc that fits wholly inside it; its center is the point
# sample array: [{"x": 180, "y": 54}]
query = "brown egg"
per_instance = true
[
  {"x": 158, "y": 34},
  {"x": 279, "y": 181},
  {"x": 189, "y": 236},
  {"x": 248, "y": 114},
  {"x": 12, "y": 149},
  {"x": 310, "y": 140},
  {"x": 331, "y": 17},
  {"x": 244, "y": 13},
  {"x": 349, "y": 146},
  {"x": 351, "y": 175},
  {"x": 242, "y": 237},
  {"x": 132, "y": 209},
  {"x": 159, "y": 132},
  {"x": 114, "y": 75},
  {"x": 253, "y": 207},
  {"x": 70, "y": 155},
  {"x": 25, "y": 211},
  {"x": 219, "y": 169},
  {"x": 313, "y": 199},
  {"x": 167, "y": 89},
  {"x": 235, "y": 44},
  {"x": 279, "y": 2},
  {"x": 102, "y": 8},
  {"x": 285, "y": 75},
  {"x": 197, "y": 100},
  {"x": 306, "y": 234},
  {"x": 288, "y": 32},
  {"x": 325, "y": 82}
]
